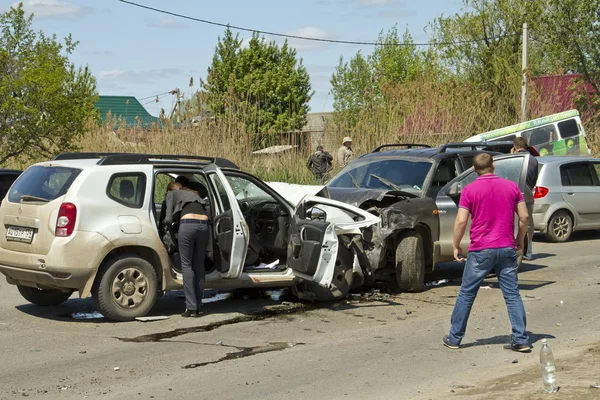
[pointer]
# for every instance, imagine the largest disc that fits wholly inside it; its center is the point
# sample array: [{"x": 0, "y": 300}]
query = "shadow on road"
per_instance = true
[
  {"x": 575, "y": 237},
  {"x": 505, "y": 339}
]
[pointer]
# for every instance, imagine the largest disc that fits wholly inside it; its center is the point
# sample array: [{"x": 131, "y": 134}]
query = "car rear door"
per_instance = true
[
  {"x": 314, "y": 230},
  {"x": 582, "y": 191},
  {"x": 511, "y": 166},
  {"x": 230, "y": 230}
]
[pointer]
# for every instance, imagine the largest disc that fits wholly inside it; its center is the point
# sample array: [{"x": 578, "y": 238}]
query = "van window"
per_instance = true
[
  {"x": 568, "y": 128},
  {"x": 43, "y": 183},
  {"x": 540, "y": 136},
  {"x": 127, "y": 188}
]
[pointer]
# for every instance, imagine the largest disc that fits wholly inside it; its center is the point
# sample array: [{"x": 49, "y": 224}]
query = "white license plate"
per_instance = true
[{"x": 19, "y": 234}]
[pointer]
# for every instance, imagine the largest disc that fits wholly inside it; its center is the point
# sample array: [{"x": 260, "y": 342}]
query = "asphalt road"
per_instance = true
[{"x": 371, "y": 347}]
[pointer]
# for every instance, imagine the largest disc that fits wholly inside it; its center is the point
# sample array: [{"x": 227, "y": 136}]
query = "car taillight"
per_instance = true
[
  {"x": 65, "y": 224},
  {"x": 540, "y": 192}
]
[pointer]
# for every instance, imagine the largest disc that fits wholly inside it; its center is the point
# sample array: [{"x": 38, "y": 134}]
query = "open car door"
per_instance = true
[
  {"x": 512, "y": 167},
  {"x": 314, "y": 229},
  {"x": 229, "y": 229}
]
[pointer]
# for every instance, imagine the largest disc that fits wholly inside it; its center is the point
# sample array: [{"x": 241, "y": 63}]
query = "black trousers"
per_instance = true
[{"x": 193, "y": 241}]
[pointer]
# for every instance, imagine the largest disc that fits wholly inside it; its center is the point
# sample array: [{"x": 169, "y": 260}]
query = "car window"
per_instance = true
[
  {"x": 540, "y": 136},
  {"x": 596, "y": 170},
  {"x": 221, "y": 193},
  {"x": 389, "y": 174},
  {"x": 246, "y": 190},
  {"x": 127, "y": 188},
  {"x": 47, "y": 183},
  {"x": 507, "y": 168},
  {"x": 576, "y": 175},
  {"x": 445, "y": 172},
  {"x": 160, "y": 187},
  {"x": 5, "y": 183},
  {"x": 568, "y": 128}
]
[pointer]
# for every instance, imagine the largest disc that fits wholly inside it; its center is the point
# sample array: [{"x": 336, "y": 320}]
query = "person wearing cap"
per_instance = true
[{"x": 345, "y": 152}]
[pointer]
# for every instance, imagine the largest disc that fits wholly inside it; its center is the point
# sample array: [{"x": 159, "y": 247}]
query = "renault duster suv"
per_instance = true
[{"x": 88, "y": 223}]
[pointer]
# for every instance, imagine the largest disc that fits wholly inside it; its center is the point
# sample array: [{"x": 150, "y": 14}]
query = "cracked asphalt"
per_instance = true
[{"x": 367, "y": 346}]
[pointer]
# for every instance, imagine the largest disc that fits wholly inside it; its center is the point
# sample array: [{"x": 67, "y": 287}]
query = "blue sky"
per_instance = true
[{"x": 136, "y": 52}]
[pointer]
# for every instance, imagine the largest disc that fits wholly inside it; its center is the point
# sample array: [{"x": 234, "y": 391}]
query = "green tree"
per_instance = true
[
  {"x": 361, "y": 83},
  {"x": 263, "y": 84},
  {"x": 487, "y": 43},
  {"x": 45, "y": 101}
]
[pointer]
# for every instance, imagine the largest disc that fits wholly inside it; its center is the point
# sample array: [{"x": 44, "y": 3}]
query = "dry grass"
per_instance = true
[{"x": 425, "y": 111}]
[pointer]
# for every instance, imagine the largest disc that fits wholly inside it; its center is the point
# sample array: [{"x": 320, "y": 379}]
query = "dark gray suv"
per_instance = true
[{"x": 415, "y": 190}]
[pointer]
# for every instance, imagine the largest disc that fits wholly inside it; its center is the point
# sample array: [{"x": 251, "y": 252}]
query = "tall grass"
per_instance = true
[{"x": 423, "y": 111}]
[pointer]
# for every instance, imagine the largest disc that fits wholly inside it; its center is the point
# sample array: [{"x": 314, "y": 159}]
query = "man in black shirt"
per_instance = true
[
  {"x": 520, "y": 146},
  {"x": 319, "y": 164}
]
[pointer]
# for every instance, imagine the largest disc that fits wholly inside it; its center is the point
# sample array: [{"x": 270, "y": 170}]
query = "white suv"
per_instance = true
[{"x": 88, "y": 222}]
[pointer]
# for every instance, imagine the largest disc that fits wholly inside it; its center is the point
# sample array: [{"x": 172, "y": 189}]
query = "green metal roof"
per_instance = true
[{"x": 126, "y": 109}]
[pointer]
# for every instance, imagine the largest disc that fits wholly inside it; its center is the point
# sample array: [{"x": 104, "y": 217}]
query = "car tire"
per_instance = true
[
  {"x": 410, "y": 262},
  {"x": 125, "y": 288},
  {"x": 560, "y": 227},
  {"x": 341, "y": 283},
  {"x": 43, "y": 297}
]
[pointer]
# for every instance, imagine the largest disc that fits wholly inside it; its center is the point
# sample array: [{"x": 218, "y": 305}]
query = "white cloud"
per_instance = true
[
  {"x": 310, "y": 32},
  {"x": 54, "y": 9},
  {"x": 167, "y": 23}
]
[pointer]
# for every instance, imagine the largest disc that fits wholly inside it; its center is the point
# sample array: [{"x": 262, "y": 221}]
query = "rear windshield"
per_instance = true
[{"x": 40, "y": 183}]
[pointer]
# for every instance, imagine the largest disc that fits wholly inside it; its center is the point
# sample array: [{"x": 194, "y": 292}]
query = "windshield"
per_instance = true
[
  {"x": 390, "y": 174},
  {"x": 44, "y": 184}
]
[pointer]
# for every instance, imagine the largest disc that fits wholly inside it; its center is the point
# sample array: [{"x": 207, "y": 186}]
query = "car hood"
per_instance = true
[{"x": 357, "y": 196}]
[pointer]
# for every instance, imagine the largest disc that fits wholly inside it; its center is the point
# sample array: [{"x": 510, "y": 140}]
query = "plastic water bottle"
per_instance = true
[{"x": 548, "y": 368}]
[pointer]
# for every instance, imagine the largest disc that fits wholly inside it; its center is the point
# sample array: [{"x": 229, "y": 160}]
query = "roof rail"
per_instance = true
[
  {"x": 141, "y": 158},
  {"x": 407, "y": 145}
]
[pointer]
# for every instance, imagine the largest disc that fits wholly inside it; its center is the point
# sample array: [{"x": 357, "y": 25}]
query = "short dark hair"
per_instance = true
[
  {"x": 483, "y": 164},
  {"x": 520, "y": 143},
  {"x": 182, "y": 180},
  {"x": 319, "y": 148}
]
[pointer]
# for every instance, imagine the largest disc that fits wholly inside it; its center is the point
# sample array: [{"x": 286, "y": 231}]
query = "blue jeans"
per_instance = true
[{"x": 478, "y": 266}]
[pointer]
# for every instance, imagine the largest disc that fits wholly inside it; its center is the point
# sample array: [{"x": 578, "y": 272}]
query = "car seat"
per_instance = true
[
  {"x": 127, "y": 190},
  {"x": 442, "y": 177}
]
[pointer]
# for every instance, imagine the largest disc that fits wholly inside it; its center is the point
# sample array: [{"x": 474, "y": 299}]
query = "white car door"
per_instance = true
[
  {"x": 230, "y": 229},
  {"x": 314, "y": 230}
]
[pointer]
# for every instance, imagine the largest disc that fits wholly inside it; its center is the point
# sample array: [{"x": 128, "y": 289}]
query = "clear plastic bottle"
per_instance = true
[{"x": 548, "y": 368}]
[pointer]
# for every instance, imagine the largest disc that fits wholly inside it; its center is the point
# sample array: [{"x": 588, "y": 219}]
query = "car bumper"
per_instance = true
[{"x": 68, "y": 265}]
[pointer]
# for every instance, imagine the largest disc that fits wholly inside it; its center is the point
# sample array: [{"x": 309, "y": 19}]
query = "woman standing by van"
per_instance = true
[{"x": 186, "y": 206}]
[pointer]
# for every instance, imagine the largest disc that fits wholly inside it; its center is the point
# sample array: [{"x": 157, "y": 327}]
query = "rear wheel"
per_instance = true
[
  {"x": 560, "y": 227},
  {"x": 410, "y": 262},
  {"x": 41, "y": 297},
  {"x": 340, "y": 285},
  {"x": 126, "y": 288}
]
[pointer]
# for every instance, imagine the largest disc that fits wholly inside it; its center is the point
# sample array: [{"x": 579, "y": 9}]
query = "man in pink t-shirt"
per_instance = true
[{"x": 492, "y": 202}]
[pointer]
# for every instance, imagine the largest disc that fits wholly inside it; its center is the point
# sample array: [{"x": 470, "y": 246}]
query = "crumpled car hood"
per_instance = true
[{"x": 357, "y": 196}]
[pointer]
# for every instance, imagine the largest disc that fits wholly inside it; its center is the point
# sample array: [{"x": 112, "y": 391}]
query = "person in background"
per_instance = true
[
  {"x": 345, "y": 152},
  {"x": 492, "y": 203},
  {"x": 319, "y": 163},
  {"x": 520, "y": 146},
  {"x": 186, "y": 206}
]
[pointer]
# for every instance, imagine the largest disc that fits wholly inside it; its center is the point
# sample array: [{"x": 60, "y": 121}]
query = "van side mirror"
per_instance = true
[{"x": 455, "y": 189}]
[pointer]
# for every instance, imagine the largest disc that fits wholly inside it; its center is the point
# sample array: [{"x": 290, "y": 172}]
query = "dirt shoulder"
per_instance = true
[{"x": 577, "y": 371}]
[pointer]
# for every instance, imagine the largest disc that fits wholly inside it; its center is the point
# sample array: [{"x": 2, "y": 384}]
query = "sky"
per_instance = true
[{"x": 141, "y": 53}]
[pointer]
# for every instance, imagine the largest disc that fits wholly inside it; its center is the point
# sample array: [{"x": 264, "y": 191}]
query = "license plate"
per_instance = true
[{"x": 19, "y": 234}]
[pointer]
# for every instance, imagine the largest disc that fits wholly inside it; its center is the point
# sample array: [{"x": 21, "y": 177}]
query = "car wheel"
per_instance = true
[
  {"x": 43, "y": 297},
  {"x": 560, "y": 227},
  {"x": 126, "y": 288},
  {"x": 410, "y": 262},
  {"x": 340, "y": 284}
]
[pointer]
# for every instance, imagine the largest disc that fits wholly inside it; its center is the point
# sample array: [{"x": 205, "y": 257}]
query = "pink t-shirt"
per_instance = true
[{"x": 492, "y": 202}]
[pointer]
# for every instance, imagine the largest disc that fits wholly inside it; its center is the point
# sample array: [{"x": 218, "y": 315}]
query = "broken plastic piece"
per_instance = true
[
  {"x": 83, "y": 315},
  {"x": 150, "y": 319}
]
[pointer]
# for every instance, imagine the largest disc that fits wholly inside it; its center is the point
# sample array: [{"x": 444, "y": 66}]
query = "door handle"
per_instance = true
[{"x": 571, "y": 193}]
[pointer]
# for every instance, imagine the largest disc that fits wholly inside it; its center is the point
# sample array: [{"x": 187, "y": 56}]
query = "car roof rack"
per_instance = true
[
  {"x": 470, "y": 145},
  {"x": 141, "y": 158},
  {"x": 407, "y": 145}
]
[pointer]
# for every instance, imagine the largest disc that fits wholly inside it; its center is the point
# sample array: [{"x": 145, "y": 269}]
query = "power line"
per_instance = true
[
  {"x": 154, "y": 96},
  {"x": 288, "y": 36}
]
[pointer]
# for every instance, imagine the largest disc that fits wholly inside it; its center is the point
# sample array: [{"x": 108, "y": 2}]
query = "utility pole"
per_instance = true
[{"x": 524, "y": 82}]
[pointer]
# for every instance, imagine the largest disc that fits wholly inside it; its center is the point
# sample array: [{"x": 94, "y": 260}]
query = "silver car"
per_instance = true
[{"x": 567, "y": 196}]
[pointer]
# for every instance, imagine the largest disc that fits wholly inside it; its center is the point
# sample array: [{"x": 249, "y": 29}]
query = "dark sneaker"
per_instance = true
[
  {"x": 448, "y": 343},
  {"x": 521, "y": 348},
  {"x": 190, "y": 313}
]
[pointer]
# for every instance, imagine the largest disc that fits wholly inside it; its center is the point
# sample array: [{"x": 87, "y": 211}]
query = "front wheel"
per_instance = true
[
  {"x": 41, "y": 297},
  {"x": 410, "y": 262},
  {"x": 560, "y": 227},
  {"x": 126, "y": 288},
  {"x": 340, "y": 284}
]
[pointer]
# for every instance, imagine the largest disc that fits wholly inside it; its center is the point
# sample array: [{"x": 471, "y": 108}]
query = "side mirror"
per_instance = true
[
  {"x": 316, "y": 214},
  {"x": 454, "y": 190}
]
